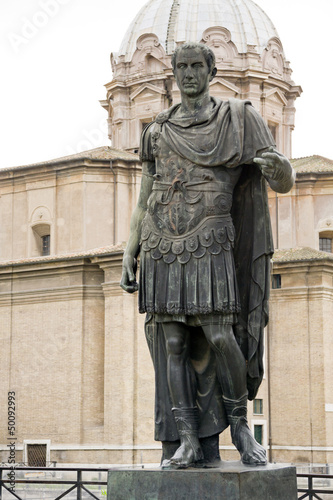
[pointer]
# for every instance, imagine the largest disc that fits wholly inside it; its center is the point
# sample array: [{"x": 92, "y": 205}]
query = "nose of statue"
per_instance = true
[{"x": 188, "y": 74}]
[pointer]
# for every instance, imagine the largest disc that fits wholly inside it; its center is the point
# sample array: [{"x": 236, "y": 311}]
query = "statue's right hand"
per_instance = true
[{"x": 128, "y": 281}]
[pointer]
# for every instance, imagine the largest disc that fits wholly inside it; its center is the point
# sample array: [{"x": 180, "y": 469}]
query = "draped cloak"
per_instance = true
[{"x": 237, "y": 133}]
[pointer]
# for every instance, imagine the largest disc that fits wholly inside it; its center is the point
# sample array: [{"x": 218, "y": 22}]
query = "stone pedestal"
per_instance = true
[{"x": 231, "y": 481}]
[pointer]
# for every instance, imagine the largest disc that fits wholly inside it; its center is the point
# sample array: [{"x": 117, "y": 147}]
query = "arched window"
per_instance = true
[
  {"x": 42, "y": 238},
  {"x": 324, "y": 231},
  {"x": 40, "y": 235}
]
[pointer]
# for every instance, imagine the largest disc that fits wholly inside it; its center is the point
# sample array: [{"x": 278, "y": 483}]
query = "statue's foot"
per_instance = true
[
  {"x": 252, "y": 453},
  {"x": 188, "y": 454}
]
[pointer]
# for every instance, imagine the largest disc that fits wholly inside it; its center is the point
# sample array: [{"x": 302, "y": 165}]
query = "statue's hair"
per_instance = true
[{"x": 207, "y": 53}]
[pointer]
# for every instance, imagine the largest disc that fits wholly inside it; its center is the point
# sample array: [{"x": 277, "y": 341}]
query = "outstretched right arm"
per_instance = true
[{"x": 128, "y": 279}]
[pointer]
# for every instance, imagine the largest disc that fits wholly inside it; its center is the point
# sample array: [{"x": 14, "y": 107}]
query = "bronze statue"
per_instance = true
[{"x": 202, "y": 229}]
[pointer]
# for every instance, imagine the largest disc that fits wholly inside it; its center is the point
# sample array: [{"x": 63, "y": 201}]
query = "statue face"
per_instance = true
[{"x": 192, "y": 73}]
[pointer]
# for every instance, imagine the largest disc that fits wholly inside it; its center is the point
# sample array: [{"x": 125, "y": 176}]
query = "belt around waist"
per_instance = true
[{"x": 211, "y": 186}]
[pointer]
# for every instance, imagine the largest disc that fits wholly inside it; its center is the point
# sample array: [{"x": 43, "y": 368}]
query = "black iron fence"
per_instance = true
[
  {"x": 33, "y": 483},
  {"x": 54, "y": 483},
  {"x": 317, "y": 486}
]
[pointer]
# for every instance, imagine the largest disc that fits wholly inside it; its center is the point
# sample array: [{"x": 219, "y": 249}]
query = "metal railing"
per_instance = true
[
  {"x": 312, "y": 491},
  {"x": 75, "y": 488}
]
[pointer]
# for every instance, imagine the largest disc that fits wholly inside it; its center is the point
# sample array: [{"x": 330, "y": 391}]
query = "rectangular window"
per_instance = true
[
  {"x": 273, "y": 129},
  {"x": 46, "y": 244},
  {"x": 325, "y": 244},
  {"x": 258, "y": 433},
  {"x": 258, "y": 407},
  {"x": 36, "y": 455},
  {"x": 144, "y": 125},
  {"x": 276, "y": 281}
]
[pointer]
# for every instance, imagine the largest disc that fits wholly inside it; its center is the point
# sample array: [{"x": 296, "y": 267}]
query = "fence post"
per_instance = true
[
  {"x": 0, "y": 484},
  {"x": 310, "y": 488},
  {"x": 79, "y": 489}
]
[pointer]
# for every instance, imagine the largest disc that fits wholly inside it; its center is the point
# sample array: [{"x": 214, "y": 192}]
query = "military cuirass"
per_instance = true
[{"x": 188, "y": 209}]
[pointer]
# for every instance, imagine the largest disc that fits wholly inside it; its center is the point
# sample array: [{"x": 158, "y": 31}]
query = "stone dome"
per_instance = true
[
  {"x": 176, "y": 21},
  {"x": 250, "y": 64}
]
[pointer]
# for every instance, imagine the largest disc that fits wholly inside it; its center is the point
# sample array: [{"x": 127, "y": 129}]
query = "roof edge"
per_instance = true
[
  {"x": 95, "y": 154},
  {"x": 95, "y": 252},
  {"x": 301, "y": 254}
]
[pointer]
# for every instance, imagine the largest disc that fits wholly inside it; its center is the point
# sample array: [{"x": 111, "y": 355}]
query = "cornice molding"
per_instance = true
[
  {"x": 306, "y": 293},
  {"x": 43, "y": 295}
]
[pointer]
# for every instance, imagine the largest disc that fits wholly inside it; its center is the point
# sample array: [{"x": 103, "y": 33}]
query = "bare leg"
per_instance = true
[
  {"x": 179, "y": 370},
  {"x": 182, "y": 395},
  {"x": 231, "y": 372}
]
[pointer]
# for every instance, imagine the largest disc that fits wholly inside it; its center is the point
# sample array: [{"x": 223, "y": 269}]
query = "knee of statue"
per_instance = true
[
  {"x": 219, "y": 338},
  {"x": 176, "y": 345},
  {"x": 219, "y": 341}
]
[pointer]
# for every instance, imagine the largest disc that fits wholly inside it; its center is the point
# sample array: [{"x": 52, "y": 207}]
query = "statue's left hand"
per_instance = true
[{"x": 276, "y": 168}]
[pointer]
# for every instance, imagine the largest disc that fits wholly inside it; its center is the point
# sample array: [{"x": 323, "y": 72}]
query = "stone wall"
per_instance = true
[
  {"x": 300, "y": 333},
  {"x": 52, "y": 350},
  {"x": 81, "y": 203}
]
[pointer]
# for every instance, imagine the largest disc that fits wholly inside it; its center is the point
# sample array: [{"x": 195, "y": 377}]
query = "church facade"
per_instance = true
[{"x": 73, "y": 346}]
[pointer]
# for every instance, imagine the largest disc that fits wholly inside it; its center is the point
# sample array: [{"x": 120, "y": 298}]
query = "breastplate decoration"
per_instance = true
[{"x": 188, "y": 212}]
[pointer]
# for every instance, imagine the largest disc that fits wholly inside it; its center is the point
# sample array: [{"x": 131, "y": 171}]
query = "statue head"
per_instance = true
[
  {"x": 194, "y": 67},
  {"x": 206, "y": 51}
]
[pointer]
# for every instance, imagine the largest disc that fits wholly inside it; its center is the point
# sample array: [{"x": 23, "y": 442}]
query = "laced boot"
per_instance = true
[
  {"x": 252, "y": 453},
  {"x": 189, "y": 451}
]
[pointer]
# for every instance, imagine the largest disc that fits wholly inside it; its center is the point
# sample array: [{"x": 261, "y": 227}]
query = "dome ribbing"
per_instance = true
[{"x": 175, "y": 21}]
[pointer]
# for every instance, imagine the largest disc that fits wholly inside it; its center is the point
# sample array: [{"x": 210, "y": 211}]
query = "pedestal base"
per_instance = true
[{"x": 232, "y": 481}]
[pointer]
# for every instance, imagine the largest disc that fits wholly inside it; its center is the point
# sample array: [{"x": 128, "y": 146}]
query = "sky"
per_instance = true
[{"x": 55, "y": 57}]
